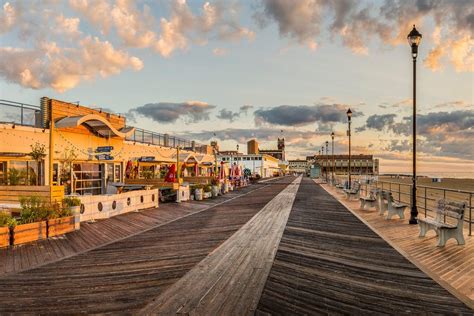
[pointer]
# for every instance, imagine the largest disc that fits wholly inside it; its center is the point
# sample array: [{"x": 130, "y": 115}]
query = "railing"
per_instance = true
[
  {"x": 426, "y": 198},
  {"x": 20, "y": 113},
  {"x": 149, "y": 137}
]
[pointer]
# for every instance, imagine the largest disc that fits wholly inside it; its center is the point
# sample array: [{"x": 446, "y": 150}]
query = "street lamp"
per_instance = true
[
  {"x": 322, "y": 161},
  {"x": 414, "y": 39},
  {"x": 349, "y": 115},
  {"x": 327, "y": 162},
  {"x": 333, "y": 161}
]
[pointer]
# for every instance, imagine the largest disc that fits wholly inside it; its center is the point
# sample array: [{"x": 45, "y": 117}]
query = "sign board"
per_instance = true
[
  {"x": 104, "y": 149},
  {"x": 146, "y": 158},
  {"x": 104, "y": 157}
]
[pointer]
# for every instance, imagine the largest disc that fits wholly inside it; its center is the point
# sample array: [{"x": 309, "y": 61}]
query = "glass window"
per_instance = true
[
  {"x": 22, "y": 172},
  {"x": 3, "y": 173},
  {"x": 110, "y": 172},
  {"x": 87, "y": 178},
  {"x": 118, "y": 175}
]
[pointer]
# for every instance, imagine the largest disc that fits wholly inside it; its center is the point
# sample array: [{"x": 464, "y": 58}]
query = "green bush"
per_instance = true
[
  {"x": 71, "y": 201},
  {"x": 207, "y": 188},
  {"x": 36, "y": 209},
  {"x": 7, "y": 220}
]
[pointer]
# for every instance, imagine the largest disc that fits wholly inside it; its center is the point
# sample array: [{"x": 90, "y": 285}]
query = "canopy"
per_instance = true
[{"x": 95, "y": 123}]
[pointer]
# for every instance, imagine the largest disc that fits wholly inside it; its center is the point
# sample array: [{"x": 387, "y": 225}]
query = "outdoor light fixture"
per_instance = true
[
  {"x": 349, "y": 115},
  {"x": 333, "y": 159},
  {"x": 327, "y": 161},
  {"x": 414, "y": 39}
]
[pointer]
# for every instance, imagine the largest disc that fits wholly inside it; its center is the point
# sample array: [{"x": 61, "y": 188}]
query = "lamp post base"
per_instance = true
[{"x": 413, "y": 216}]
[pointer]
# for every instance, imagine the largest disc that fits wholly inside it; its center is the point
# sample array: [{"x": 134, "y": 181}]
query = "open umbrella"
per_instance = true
[
  {"x": 222, "y": 171},
  {"x": 196, "y": 169},
  {"x": 171, "y": 175}
]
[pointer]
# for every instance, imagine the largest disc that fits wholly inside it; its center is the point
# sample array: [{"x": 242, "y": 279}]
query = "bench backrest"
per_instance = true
[
  {"x": 452, "y": 209},
  {"x": 355, "y": 186}
]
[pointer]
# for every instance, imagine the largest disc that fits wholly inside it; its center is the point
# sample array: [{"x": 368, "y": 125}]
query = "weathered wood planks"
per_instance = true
[
  {"x": 231, "y": 278},
  {"x": 123, "y": 276},
  {"x": 329, "y": 262}
]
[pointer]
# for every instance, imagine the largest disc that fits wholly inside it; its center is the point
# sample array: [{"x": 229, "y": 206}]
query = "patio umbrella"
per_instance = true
[
  {"x": 196, "y": 169},
  {"x": 128, "y": 169},
  {"x": 222, "y": 171},
  {"x": 232, "y": 171},
  {"x": 171, "y": 175}
]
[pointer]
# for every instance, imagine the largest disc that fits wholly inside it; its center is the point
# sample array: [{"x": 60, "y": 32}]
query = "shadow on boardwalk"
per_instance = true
[{"x": 329, "y": 262}]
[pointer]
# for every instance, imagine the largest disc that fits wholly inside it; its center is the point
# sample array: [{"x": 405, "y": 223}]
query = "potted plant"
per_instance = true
[
  {"x": 7, "y": 222},
  {"x": 74, "y": 206},
  {"x": 32, "y": 225},
  {"x": 198, "y": 193},
  {"x": 38, "y": 152},
  {"x": 207, "y": 191},
  {"x": 60, "y": 220},
  {"x": 215, "y": 187}
]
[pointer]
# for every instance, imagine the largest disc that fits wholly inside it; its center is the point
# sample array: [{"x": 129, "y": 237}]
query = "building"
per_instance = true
[
  {"x": 297, "y": 166},
  {"x": 360, "y": 164},
  {"x": 261, "y": 164},
  {"x": 84, "y": 149},
  {"x": 252, "y": 147},
  {"x": 278, "y": 153}
]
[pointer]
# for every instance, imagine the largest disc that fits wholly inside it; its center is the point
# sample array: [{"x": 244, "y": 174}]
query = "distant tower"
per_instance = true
[
  {"x": 252, "y": 147},
  {"x": 281, "y": 147}
]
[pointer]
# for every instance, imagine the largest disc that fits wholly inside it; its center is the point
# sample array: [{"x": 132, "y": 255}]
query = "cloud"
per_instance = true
[
  {"x": 219, "y": 51},
  {"x": 357, "y": 23},
  {"x": 228, "y": 115},
  {"x": 167, "y": 112},
  {"x": 378, "y": 122},
  {"x": 136, "y": 27},
  {"x": 245, "y": 108},
  {"x": 440, "y": 133},
  {"x": 8, "y": 17},
  {"x": 300, "y": 115},
  {"x": 62, "y": 69}
]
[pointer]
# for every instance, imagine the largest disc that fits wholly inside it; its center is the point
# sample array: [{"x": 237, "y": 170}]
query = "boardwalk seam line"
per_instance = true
[
  {"x": 131, "y": 235},
  {"x": 466, "y": 300}
]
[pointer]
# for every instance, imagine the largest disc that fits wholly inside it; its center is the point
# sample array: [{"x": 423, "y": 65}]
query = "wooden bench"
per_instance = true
[
  {"x": 353, "y": 191},
  {"x": 370, "y": 200},
  {"x": 392, "y": 207},
  {"x": 444, "y": 230}
]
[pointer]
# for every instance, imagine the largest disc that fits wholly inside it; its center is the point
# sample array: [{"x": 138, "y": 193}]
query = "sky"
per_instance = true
[{"x": 262, "y": 68}]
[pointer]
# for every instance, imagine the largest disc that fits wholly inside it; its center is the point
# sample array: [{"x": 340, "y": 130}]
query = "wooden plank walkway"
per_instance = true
[
  {"x": 122, "y": 277},
  {"x": 452, "y": 266},
  {"x": 329, "y": 262},
  {"x": 231, "y": 279},
  {"x": 99, "y": 233}
]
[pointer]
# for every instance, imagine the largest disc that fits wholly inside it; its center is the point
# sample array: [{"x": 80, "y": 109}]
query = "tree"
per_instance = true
[{"x": 38, "y": 152}]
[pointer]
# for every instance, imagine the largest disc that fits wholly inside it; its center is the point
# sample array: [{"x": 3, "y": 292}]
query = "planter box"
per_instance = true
[
  {"x": 4, "y": 236},
  {"x": 29, "y": 232},
  {"x": 60, "y": 226}
]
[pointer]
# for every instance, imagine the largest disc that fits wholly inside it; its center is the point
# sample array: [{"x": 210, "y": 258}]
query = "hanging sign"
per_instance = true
[
  {"x": 104, "y": 149},
  {"x": 104, "y": 157},
  {"x": 146, "y": 158}
]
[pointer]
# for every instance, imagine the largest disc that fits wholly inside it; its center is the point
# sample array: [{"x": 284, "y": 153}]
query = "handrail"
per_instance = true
[{"x": 423, "y": 196}]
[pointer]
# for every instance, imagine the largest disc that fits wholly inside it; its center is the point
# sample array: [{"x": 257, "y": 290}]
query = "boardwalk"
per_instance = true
[
  {"x": 452, "y": 265},
  {"x": 274, "y": 248},
  {"x": 329, "y": 262},
  {"x": 125, "y": 275}
]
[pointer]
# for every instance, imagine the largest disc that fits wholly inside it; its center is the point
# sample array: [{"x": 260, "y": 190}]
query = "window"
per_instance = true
[
  {"x": 3, "y": 172},
  {"x": 118, "y": 175},
  {"x": 88, "y": 178},
  {"x": 22, "y": 172}
]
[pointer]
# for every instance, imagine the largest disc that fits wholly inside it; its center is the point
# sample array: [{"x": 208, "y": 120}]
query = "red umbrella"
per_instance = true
[
  {"x": 222, "y": 171},
  {"x": 171, "y": 175}
]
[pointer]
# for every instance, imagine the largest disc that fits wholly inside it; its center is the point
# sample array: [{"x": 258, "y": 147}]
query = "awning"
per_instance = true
[{"x": 95, "y": 123}]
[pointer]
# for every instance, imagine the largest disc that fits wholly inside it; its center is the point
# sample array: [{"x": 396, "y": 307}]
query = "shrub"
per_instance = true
[
  {"x": 207, "y": 188},
  {"x": 36, "y": 209},
  {"x": 4, "y": 218},
  {"x": 214, "y": 181},
  {"x": 71, "y": 201}
]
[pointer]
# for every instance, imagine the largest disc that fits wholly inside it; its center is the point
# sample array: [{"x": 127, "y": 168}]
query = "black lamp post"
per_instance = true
[
  {"x": 333, "y": 159},
  {"x": 349, "y": 115},
  {"x": 322, "y": 160},
  {"x": 414, "y": 39},
  {"x": 327, "y": 162}
]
